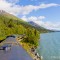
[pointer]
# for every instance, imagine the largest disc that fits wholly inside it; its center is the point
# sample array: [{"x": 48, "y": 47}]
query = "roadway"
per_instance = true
[{"x": 16, "y": 52}]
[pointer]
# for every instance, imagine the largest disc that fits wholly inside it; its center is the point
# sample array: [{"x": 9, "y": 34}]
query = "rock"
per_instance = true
[
  {"x": 41, "y": 57},
  {"x": 32, "y": 49}
]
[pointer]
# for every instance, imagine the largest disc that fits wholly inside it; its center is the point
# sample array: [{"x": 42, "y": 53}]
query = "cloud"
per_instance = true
[
  {"x": 48, "y": 24},
  {"x": 33, "y": 18},
  {"x": 40, "y": 21},
  {"x": 48, "y": 5},
  {"x": 29, "y": 8},
  {"x": 52, "y": 25},
  {"x": 15, "y": 9},
  {"x": 24, "y": 18},
  {"x": 41, "y": 17},
  {"x": 9, "y": 7}
]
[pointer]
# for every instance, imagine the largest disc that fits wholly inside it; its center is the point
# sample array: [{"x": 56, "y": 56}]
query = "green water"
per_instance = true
[{"x": 49, "y": 46}]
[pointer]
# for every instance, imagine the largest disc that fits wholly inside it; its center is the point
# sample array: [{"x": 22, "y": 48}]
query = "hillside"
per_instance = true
[{"x": 10, "y": 25}]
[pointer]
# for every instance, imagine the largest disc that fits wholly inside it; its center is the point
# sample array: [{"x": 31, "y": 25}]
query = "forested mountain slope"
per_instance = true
[{"x": 10, "y": 25}]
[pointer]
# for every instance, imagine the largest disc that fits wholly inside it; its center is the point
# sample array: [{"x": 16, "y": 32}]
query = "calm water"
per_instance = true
[{"x": 49, "y": 46}]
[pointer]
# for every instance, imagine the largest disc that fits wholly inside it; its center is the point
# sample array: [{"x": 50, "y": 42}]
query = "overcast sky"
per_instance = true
[{"x": 46, "y": 13}]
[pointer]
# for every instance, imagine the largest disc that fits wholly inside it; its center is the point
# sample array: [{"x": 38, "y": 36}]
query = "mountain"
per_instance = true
[
  {"x": 10, "y": 25},
  {"x": 26, "y": 24},
  {"x": 8, "y": 16},
  {"x": 38, "y": 27},
  {"x": 33, "y": 23}
]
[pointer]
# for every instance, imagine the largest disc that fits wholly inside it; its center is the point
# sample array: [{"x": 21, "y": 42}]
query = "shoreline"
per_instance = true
[{"x": 31, "y": 50}]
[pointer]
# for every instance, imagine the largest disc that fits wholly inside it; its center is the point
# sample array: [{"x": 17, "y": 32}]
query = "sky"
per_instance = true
[{"x": 45, "y": 13}]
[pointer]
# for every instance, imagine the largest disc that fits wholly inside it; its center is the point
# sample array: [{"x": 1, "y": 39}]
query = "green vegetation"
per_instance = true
[
  {"x": 28, "y": 47},
  {"x": 10, "y": 25},
  {"x": 32, "y": 36}
]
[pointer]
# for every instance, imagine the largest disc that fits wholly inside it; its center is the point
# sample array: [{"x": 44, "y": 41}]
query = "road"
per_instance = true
[{"x": 16, "y": 53}]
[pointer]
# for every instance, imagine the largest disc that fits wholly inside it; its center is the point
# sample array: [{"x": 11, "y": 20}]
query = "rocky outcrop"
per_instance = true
[{"x": 36, "y": 55}]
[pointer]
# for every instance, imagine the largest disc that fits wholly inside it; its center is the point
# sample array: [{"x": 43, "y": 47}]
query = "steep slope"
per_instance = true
[
  {"x": 10, "y": 25},
  {"x": 6, "y": 16},
  {"x": 8, "y": 21}
]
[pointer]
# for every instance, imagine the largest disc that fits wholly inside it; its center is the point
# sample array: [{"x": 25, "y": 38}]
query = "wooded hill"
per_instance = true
[{"x": 10, "y": 24}]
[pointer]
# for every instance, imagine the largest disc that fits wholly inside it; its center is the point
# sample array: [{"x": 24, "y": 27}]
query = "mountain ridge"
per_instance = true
[
  {"x": 9, "y": 22},
  {"x": 10, "y": 16},
  {"x": 35, "y": 24},
  {"x": 40, "y": 28},
  {"x": 11, "y": 25}
]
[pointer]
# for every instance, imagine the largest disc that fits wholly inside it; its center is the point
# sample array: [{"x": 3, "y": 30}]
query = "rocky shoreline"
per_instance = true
[
  {"x": 31, "y": 51},
  {"x": 36, "y": 55}
]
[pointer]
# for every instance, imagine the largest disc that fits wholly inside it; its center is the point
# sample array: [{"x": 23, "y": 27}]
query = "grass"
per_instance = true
[{"x": 27, "y": 47}]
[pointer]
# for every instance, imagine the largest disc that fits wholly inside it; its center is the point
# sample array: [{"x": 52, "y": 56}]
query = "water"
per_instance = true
[{"x": 49, "y": 46}]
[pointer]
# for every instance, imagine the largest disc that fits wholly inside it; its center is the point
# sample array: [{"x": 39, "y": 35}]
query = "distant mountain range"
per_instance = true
[
  {"x": 40, "y": 28},
  {"x": 36, "y": 25}
]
